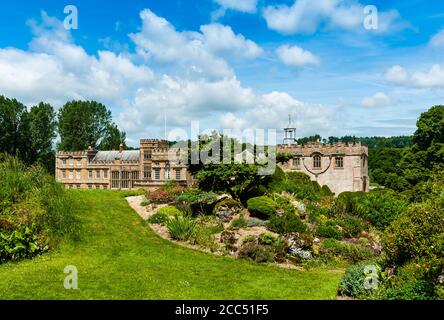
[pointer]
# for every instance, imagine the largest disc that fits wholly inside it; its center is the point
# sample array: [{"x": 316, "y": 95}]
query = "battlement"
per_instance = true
[
  {"x": 71, "y": 153},
  {"x": 339, "y": 147}
]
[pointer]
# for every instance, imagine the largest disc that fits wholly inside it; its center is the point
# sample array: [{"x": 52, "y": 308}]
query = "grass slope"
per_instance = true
[{"x": 120, "y": 257}]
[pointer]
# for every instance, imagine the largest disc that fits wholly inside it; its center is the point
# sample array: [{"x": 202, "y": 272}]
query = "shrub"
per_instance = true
[
  {"x": 255, "y": 252},
  {"x": 170, "y": 211},
  {"x": 228, "y": 203},
  {"x": 416, "y": 233},
  {"x": 351, "y": 225},
  {"x": 328, "y": 230},
  {"x": 204, "y": 236},
  {"x": 348, "y": 251},
  {"x": 181, "y": 228},
  {"x": 286, "y": 223},
  {"x": 411, "y": 282},
  {"x": 144, "y": 203},
  {"x": 200, "y": 202},
  {"x": 239, "y": 223},
  {"x": 20, "y": 244},
  {"x": 159, "y": 218},
  {"x": 380, "y": 208},
  {"x": 262, "y": 206},
  {"x": 346, "y": 202},
  {"x": 352, "y": 282}
]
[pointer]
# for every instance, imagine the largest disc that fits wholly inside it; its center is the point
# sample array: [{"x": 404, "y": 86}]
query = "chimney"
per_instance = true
[{"x": 121, "y": 147}]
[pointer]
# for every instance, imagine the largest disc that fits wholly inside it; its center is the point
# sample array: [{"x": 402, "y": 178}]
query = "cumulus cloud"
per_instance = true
[
  {"x": 379, "y": 99},
  {"x": 295, "y": 56},
  {"x": 433, "y": 78},
  {"x": 193, "y": 53},
  {"x": 437, "y": 41},
  {"x": 54, "y": 69},
  {"x": 306, "y": 17},
  {"x": 221, "y": 39}
]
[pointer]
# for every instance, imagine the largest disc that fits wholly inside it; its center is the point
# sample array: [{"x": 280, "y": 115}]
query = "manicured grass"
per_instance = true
[{"x": 120, "y": 257}]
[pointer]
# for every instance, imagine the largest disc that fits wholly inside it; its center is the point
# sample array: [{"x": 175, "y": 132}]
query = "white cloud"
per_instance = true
[
  {"x": 192, "y": 53},
  {"x": 306, "y": 17},
  {"x": 433, "y": 78},
  {"x": 437, "y": 41},
  {"x": 221, "y": 39},
  {"x": 54, "y": 69},
  {"x": 379, "y": 99},
  {"x": 296, "y": 56},
  {"x": 248, "y": 6},
  {"x": 396, "y": 74}
]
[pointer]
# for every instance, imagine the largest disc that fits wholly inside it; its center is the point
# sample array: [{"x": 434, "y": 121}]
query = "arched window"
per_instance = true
[{"x": 317, "y": 162}]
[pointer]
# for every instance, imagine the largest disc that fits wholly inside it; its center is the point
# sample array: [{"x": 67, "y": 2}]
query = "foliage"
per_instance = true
[
  {"x": 329, "y": 230},
  {"x": 256, "y": 252},
  {"x": 20, "y": 244},
  {"x": 166, "y": 193},
  {"x": 199, "y": 202},
  {"x": 215, "y": 173},
  {"x": 181, "y": 228},
  {"x": 262, "y": 206},
  {"x": 286, "y": 223},
  {"x": 170, "y": 211},
  {"x": 417, "y": 233},
  {"x": 204, "y": 236},
  {"x": 297, "y": 183},
  {"x": 112, "y": 138},
  {"x": 347, "y": 251},
  {"x": 346, "y": 202},
  {"x": 351, "y": 225},
  {"x": 380, "y": 207},
  {"x": 159, "y": 218},
  {"x": 352, "y": 282},
  {"x": 239, "y": 222},
  {"x": 229, "y": 203},
  {"x": 82, "y": 124},
  {"x": 412, "y": 282},
  {"x": 282, "y": 157},
  {"x": 28, "y": 134}
]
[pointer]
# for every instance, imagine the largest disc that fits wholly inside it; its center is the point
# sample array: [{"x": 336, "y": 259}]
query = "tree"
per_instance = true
[
  {"x": 81, "y": 124},
  {"x": 12, "y": 113},
  {"x": 42, "y": 132},
  {"x": 113, "y": 138},
  {"x": 234, "y": 178}
]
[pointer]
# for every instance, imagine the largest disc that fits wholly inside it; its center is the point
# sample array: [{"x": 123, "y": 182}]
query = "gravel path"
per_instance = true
[{"x": 135, "y": 202}]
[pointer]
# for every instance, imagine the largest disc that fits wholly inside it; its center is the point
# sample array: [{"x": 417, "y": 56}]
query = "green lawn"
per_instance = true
[{"x": 119, "y": 257}]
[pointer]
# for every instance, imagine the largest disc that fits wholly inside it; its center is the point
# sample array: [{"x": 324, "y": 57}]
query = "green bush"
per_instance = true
[
  {"x": 351, "y": 225},
  {"x": 415, "y": 234},
  {"x": 347, "y": 251},
  {"x": 31, "y": 198},
  {"x": 256, "y": 252},
  {"x": 199, "y": 202},
  {"x": 352, "y": 282},
  {"x": 262, "y": 206},
  {"x": 239, "y": 223},
  {"x": 229, "y": 203},
  {"x": 380, "y": 208},
  {"x": 286, "y": 223},
  {"x": 159, "y": 218},
  {"x": 328, "y": 230},
  {"x": 170, "y": 211},
  {"x": 411, "y": 282},
  {"x": 204, "y": 236},
  {"x": 181, "y": 228},
  {"x": 20, "y": 244},
  {"x": 346, "y": 202}
]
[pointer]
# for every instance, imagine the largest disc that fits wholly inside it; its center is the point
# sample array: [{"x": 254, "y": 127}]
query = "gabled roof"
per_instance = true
[{"x": 126, "y": 155}]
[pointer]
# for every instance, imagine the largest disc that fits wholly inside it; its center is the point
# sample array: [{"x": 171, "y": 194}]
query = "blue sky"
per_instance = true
[{"x": 242, "y": 64}]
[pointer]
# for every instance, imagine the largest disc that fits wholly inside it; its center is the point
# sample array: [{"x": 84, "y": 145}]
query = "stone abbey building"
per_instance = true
[
  {"x": 146, "y": 168},
  {"x": 340, "y": 166}
]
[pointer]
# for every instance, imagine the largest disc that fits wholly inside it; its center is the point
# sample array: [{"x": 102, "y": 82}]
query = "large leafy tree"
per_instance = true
[
  {"x": 42, "y": 132},
  {"x": 12, "y": 118},
  {"x": 113, "y": 138},
  {"x": 82, "y": 123},
  {"x": 229, "y": 176}
]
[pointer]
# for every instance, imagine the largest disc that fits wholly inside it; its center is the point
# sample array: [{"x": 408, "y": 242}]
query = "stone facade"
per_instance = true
[
  {"x": 147, "y": 168},
  {"x": 340, "y": 166}
]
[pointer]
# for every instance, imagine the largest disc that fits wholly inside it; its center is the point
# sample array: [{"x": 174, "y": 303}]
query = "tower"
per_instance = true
[{"x": 289, "y": 133}]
